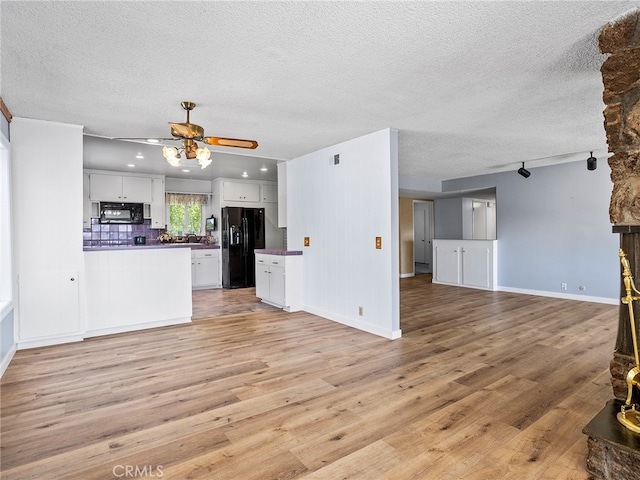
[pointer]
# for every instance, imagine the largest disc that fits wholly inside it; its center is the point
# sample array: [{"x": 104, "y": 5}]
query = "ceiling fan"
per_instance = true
[{"x": 189, "y": 133}]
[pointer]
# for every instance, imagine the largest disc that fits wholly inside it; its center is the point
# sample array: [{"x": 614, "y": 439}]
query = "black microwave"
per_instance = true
[{"x": 131, "y": 213}]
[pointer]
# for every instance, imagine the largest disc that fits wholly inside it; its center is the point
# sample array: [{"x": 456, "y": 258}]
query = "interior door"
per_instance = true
[{"x": 422, "y": 234}]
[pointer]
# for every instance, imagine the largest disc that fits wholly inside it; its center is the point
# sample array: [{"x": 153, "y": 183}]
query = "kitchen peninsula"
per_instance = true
[{"x": 136, "y": 287}]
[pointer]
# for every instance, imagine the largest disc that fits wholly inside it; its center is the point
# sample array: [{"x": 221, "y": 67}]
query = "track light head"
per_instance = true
[
  {"x": 592, "y": 162},
  {"x": 523, "y": 171}
]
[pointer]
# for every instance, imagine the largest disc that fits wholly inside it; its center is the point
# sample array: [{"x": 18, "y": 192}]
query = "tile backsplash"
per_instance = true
[{"x": 109, "y": 235}]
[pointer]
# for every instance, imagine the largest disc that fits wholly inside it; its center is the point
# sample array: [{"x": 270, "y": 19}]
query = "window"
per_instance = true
[{"x": 185, "y": 213}]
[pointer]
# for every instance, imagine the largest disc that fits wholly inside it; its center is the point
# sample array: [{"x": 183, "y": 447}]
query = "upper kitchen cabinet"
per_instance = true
[
  {"x": 157, "y": 209},
  {"x": 133, "y": 189},
  {"x": 241, "y": 192},
  {"x": 270, "y": 193}
]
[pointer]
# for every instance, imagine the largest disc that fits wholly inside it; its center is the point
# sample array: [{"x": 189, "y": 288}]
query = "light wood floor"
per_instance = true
[{"x": 482, "y": 385}]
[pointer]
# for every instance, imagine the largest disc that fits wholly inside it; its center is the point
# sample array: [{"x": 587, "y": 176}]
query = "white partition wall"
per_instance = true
[{"x": 342, "y": 207}]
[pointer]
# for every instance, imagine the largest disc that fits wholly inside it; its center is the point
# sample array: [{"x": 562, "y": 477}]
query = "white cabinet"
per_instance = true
[
  {"x": 86, "y": 202},
  {"x": 447, "y": 257},
  {"x": 279, "y": 280},
  {"x": 282, "y": 194},
  {"x": 48, "y": 306},
  {"x": 157, "y": 203},
  {"x": 47, "y": 302},
  {"x": 241, "y": 192},
  {"x": 269, "y": 193},
  {"x": 124, "y": 188},
  {"x": 205, "y": 268},
  {"x": 468, "y": 263}
]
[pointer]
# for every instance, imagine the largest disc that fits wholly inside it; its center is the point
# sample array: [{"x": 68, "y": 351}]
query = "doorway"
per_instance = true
[{"x": 422, "y": 237}]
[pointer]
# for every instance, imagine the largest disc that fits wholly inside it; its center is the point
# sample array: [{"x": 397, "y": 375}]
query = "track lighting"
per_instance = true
[
  {"x": 523, "y": 171},
  {"x": 592, "y": 162}
]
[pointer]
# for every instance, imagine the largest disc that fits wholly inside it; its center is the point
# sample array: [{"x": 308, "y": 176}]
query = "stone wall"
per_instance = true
[{"x": 621, "y": 78}]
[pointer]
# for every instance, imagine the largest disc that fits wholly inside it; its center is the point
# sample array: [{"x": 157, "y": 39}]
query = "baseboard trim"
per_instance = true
[
  {"x": 139, "y": 326},
  {"x": 47, "y": 342},
  {"x": 566, "y": 296},
  {"x": 407, "y": 275},
  {"x": 365, "y": 327}
]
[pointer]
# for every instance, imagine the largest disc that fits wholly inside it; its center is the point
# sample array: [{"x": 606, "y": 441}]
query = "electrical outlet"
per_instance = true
[
  {"x": 336, "y": 159},
  {"x": 306, "y": 241},
  {"x": 360, "y": 311},
  {"x": 378, "y": 243},
  {"x": 563, "y": 286}
]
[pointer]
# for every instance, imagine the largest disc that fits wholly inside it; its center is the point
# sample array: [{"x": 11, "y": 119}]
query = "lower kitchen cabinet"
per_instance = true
[
  {"x": 468, "y": 263},
  {"x": 205, "y": 268},
  {"x": 279, "y": 280}
]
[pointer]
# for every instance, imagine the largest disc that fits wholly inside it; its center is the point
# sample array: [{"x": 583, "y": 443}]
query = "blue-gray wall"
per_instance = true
[
  {"x": 6, "y": 336},
  {"x": 553, "y": 228}
]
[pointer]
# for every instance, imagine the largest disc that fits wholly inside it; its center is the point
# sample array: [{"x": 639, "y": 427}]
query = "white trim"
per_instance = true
[
  {"x": 365, "y": 327},
  {"x": 46, "y": 342},
  {"x": 5, "y": 308},
  {"x": 7, "y": 359},
  {"x": 566, "y": 296},
  {"x": 407, "y": 275},
  {"x": 136, "y": 327}
]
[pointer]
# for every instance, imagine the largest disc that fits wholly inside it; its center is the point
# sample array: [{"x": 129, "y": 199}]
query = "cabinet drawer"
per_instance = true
[{"x": 205, "y": 253}]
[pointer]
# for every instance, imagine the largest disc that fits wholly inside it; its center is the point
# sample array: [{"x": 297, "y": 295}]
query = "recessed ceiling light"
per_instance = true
[
  {"x": 131, "y": 165},
  {"x": 186, "y": 170},
  {"x": 139, "y": 155},
  {"x": 245, "y": 174},
  {"x": 264, "y": 169},
  {"x": 153, "y": 140}
]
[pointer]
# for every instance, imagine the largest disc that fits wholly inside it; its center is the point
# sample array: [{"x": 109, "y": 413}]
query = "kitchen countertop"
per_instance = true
[
  {"x": 272, "y": 251},
  {"x": 194, "y": 246}
]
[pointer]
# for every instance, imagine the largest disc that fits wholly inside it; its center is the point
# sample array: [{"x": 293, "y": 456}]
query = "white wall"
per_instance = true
[{"x": 343, "y": 208}]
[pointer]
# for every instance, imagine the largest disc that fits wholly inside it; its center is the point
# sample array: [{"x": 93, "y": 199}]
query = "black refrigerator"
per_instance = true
[{"x": 242, "y": 232}]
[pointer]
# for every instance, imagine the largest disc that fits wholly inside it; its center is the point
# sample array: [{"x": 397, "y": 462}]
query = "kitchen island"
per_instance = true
[{"x": 136, "y": 287}]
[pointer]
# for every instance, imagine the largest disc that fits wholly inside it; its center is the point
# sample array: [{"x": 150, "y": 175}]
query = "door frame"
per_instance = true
[{"x": 429, "y": 204}]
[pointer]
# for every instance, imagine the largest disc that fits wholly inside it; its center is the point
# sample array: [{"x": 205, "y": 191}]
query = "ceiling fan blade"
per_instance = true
[
  {"x": 186, "y": 130},
  {"x": 230, "y": 142}
]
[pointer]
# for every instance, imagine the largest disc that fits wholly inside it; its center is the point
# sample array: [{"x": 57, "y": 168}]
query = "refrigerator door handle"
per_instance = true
[{"x": 245, "y": 236}]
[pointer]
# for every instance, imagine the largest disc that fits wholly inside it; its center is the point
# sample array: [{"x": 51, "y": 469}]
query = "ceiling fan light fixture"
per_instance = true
[
  {"x": 203, "y": 155},
  {"x": 171, "y": 155}
]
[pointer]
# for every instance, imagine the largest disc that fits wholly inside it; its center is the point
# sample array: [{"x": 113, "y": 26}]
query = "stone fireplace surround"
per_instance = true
[{"x": 613, "y": 450}]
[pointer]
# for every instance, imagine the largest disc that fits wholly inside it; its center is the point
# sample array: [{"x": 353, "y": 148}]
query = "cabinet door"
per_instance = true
[
  {"x": 86, "y": 202},
  {"x": 262, "y": 280},
  {"x": 136, "y": 189},
  {"x": 105, "y": 188},
  {"x": 277, "y": 293},
  {"x": 270, "y": 193},
  {"x": 475, "y": 267},
  {"x": 157, "y": 203},
  {"x": 49, "y": 305},
  {"x": 241, "y": 192},
  {"x": 206, "y": 271},
  {"x": 447, "y": 264}
]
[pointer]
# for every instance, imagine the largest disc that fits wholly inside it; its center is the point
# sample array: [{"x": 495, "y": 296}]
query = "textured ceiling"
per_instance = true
[{"x": 472, "y": 87}]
